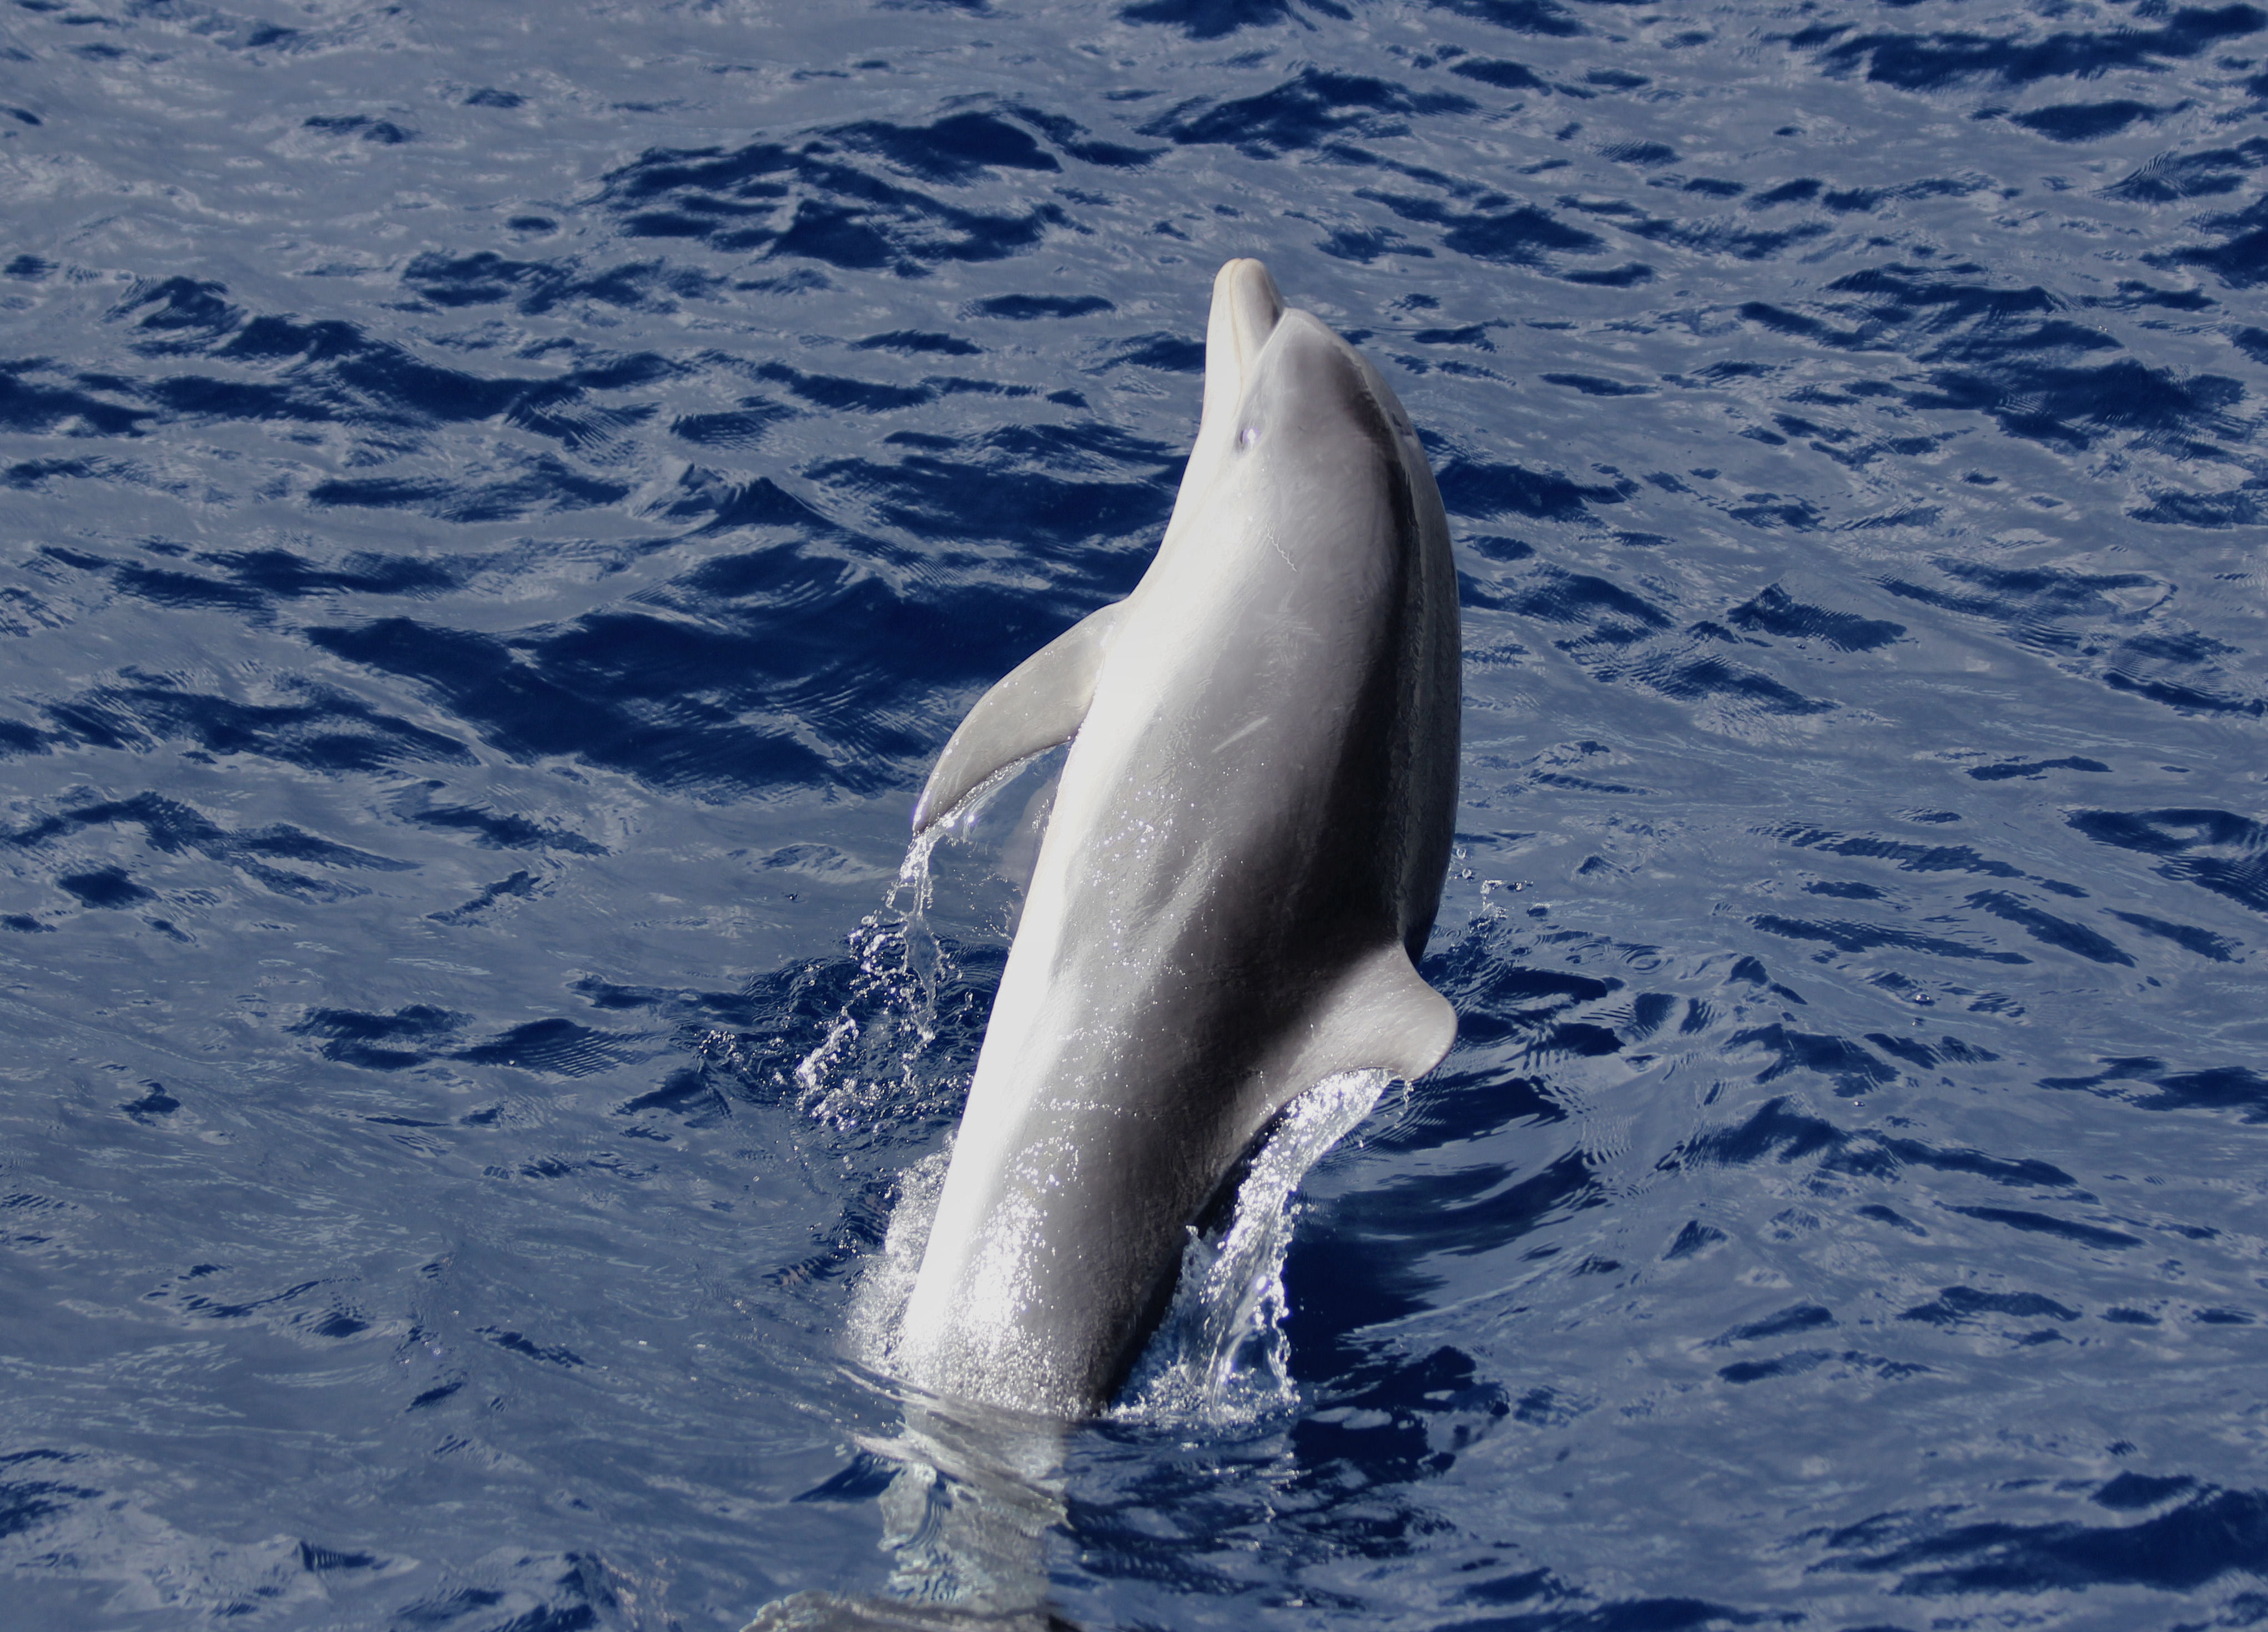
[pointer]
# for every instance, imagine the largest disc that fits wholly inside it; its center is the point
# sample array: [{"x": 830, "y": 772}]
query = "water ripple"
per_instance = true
[{"x": 503, "y": 517}]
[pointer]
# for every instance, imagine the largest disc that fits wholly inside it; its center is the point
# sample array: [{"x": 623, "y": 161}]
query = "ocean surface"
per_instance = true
[{"x": 500, "y": 504}]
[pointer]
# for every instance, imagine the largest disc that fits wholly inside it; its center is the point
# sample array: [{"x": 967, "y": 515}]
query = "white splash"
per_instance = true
[
  {"x": 1220, "y": 1357},
  {"x": 868, "y": 1065},
  {"x": 868, "y": 1058},
  {"x": 885, "y": 1284}
]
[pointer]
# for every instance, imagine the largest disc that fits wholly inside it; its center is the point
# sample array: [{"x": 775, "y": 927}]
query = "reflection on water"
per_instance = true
[{"x": 968, "y": 1499}]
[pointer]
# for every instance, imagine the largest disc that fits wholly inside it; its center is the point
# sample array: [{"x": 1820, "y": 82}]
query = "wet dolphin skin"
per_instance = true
[{"x": 1243, "y": 861}]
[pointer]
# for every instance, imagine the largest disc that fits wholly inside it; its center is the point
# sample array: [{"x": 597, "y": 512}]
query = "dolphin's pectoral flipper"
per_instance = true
[
  {"x": 1380, "y": 1016},
  {"x": 1037, "y": 707}
]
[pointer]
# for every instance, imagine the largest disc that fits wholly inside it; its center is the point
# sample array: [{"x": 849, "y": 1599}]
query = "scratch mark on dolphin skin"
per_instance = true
[{"x": 1240, "y": 735}]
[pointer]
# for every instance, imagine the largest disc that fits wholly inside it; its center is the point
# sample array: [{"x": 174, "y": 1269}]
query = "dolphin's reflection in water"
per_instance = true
[{"x": 966, "y": 1518}]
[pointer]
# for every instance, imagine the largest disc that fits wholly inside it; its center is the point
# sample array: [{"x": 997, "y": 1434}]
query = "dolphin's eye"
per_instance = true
[{"x": 1247, "y": 436}]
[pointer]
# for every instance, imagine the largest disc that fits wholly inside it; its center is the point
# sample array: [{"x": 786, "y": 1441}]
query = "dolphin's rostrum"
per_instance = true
[{"x": 1243, "y": 865}]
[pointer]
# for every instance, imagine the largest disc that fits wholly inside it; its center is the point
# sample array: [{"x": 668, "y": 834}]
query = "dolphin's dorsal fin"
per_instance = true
[
  {"x": 1039, "y": 705},
  {"x": 1380, "y": 1016}
]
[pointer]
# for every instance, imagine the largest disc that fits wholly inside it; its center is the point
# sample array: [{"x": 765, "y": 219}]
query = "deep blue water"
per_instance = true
[{"x": 501, "y": 503}]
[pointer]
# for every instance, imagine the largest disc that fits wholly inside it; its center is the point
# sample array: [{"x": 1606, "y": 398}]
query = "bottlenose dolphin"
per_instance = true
[{"x": 1243, "y": 865}]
